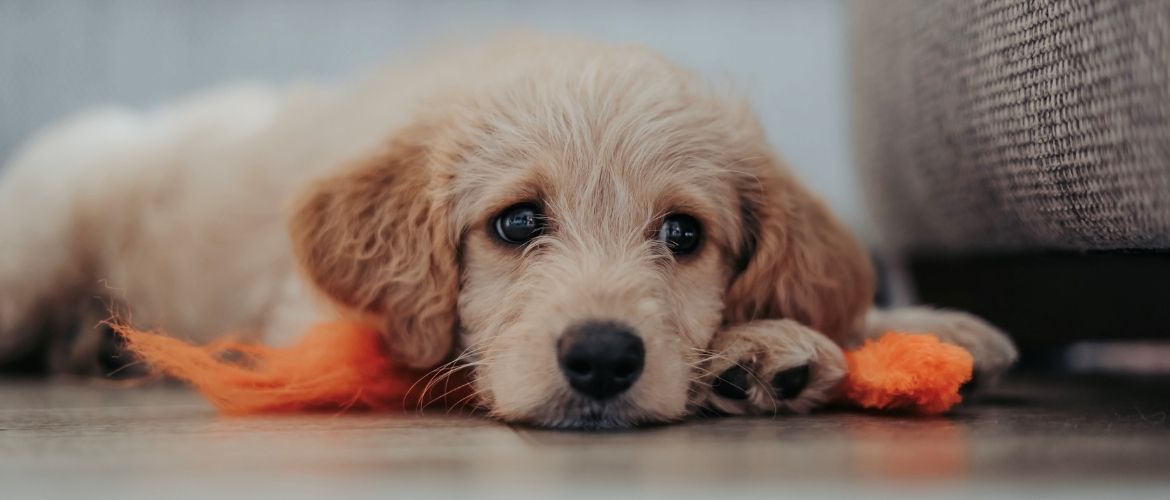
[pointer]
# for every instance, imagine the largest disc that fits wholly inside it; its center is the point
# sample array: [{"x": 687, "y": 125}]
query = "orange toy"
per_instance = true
[
  {"x": 334, "y": 367},
  {"x": 902, "y": 371},
  {"x": 341, "y": 366}
]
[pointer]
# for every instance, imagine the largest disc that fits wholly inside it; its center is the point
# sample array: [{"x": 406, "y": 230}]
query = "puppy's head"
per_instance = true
[{"x": 580, "y": 231}]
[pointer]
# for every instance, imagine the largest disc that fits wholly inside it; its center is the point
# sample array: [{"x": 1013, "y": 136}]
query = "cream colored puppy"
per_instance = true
[{"x": 600, "y": 237}]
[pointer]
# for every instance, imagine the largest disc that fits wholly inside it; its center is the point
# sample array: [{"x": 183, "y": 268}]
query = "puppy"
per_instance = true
[{"x": 599, "y": 238}]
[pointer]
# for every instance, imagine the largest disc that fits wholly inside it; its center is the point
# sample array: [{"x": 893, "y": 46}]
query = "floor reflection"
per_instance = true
[{"x": 908, "y": 449}]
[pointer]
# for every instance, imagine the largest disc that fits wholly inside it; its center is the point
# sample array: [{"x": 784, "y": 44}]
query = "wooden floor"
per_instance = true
[{"x": 1058, "y": 437}]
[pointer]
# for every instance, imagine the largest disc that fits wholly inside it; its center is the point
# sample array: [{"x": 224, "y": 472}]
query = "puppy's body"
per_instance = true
[
  {"x": 180, "y": 213},
  {"x": 395, "y": 188}
]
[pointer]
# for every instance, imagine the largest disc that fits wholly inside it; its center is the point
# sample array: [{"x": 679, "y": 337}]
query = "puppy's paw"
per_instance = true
[
  {"x": 769, "y": 367},
  {"x": 993, "y": 351}
]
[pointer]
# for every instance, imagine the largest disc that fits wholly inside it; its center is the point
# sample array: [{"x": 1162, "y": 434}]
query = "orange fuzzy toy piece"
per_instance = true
[
  {"x": 901, "y": 371},
  {"x": 335, "y": 366}
]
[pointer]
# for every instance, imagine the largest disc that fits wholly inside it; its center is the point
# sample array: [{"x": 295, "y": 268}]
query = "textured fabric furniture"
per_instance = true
[
  {"x": 1007, "y": 125},
  {"x": 1016, "y": 159}
]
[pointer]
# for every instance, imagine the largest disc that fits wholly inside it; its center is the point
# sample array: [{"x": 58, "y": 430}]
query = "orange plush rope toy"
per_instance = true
[
  {"x": 341, "y": 366},
  {"x": 334, "y": 367},
  {"x": 909, "y": 372}
]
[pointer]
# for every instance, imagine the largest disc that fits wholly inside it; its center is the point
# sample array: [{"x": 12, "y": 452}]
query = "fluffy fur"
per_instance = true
[{"x": 263, "y": 210}]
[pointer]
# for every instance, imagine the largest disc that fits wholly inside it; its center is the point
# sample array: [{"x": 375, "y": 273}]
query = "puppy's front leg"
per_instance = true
[{"x": 771, "y": 366}]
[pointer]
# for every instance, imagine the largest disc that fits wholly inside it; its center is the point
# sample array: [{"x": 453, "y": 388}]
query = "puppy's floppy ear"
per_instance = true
[
  {"x": 798, "y": 261},
  {"x": 377, "y": 239}
]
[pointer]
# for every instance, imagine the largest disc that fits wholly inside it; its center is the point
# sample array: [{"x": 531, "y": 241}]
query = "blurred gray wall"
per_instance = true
[{"x": 60, "y": 55}]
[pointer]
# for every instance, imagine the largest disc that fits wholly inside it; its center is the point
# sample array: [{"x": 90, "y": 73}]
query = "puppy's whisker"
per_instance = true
[
  {"x": 427, "y": 376},
  {"x": 434, "y": 374},
  {"x": 444, "y": 395},
  {"x": 750, "y": 373},
  {"x": 447, "y": 390},
  {"x": 699, "y": 374},
  {"x": 706, "y": 356},
  {"x": 465, "y": 400},
  {"x": 443, "y": 377}
]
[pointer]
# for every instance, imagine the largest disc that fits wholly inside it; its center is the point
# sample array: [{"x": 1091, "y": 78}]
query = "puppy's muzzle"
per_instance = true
[{"x": 600, "y": 359}]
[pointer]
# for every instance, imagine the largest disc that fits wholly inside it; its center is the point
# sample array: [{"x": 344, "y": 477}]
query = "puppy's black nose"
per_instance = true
[{"x": 600, "y": 359}]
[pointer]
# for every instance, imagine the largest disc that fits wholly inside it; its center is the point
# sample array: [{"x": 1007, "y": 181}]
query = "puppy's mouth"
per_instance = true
[{"x": 577, "y": 413}]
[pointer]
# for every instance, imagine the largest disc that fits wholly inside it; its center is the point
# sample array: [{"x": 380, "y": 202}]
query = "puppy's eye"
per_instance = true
[
  {"x": 519, "y": 223},
  {"x": 681, "y": 233}
]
